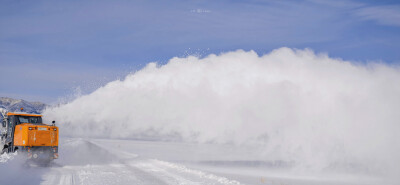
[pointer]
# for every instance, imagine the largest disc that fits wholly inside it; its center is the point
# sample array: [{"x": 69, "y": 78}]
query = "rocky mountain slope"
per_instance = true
[{"x": 14, "y": 105}]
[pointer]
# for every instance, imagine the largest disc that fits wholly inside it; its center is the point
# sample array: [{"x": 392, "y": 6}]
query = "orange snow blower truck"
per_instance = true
[{"x": 27, "y": 134}]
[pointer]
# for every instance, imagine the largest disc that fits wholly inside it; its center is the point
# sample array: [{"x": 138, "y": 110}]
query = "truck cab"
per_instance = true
[{"x": 27, "y": 134}]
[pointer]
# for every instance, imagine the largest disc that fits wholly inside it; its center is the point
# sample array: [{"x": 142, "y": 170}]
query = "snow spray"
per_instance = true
[{"x": 308, "y": 108}]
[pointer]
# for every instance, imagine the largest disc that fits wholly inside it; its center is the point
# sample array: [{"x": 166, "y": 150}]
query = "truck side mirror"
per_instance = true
[{"x": 53, "y": 122}]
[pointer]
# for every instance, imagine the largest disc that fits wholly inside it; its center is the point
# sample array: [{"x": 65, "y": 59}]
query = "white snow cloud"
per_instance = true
[{"x": 299, "y": 106}]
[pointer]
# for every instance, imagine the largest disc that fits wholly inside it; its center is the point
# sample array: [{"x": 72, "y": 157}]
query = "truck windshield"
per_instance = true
[{"x": 30, "y": 119}]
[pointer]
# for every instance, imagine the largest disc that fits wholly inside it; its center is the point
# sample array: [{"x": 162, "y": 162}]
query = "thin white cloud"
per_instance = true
[
  {"x": 386, "y": 15},
  {"x": 338, "y": 4},
  {"x": 199, "y": 10}
]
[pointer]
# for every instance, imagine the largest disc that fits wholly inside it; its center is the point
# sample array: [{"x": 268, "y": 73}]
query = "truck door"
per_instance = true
[
  {"x": 10, "y": 129},
  {"x": 3, "y": 129}
]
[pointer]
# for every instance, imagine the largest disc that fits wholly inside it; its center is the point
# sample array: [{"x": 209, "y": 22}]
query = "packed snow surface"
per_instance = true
[{"x": 106, "y": 161}]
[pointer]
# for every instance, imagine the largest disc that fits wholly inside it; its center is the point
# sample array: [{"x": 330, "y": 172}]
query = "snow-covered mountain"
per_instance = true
[{"x": 14, "y": 105}]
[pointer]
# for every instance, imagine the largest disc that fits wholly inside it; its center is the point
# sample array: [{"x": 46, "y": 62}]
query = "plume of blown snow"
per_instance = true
[{"x": 299, "y": 106}]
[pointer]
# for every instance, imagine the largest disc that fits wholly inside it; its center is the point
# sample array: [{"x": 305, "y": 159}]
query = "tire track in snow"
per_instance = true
[{"x": 179, "y": 174}]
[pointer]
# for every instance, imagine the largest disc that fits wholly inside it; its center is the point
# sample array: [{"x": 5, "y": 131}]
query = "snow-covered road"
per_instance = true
[
  {"x": 131, "y": 172},
  {"x": 85, "y": 162},
  {"x": 105, "y": 161}
]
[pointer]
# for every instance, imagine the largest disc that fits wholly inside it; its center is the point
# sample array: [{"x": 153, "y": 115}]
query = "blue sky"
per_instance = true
[{"x": 50, "y": 48}]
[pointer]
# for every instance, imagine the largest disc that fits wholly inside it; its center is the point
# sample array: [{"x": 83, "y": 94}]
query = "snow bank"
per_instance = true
[
  {"x": 6, "y": 157},
  {"x": 319, "y": 112}
]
